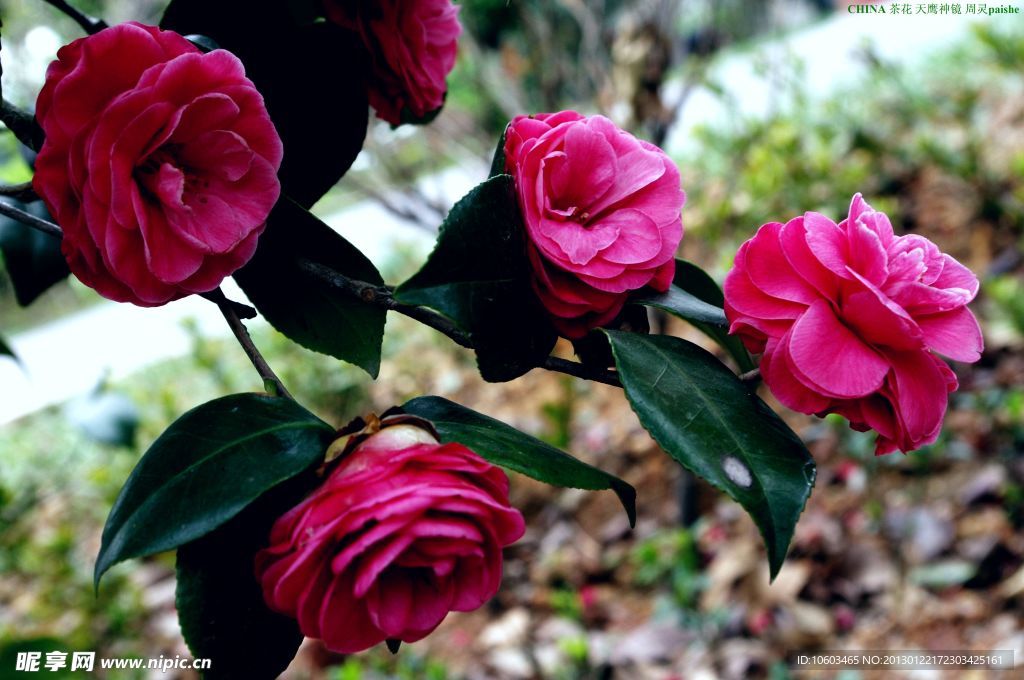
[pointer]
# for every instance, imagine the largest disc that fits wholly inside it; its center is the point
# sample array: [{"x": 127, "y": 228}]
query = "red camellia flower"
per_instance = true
[
  {"x": 602, "y": 211},
  {"x": 160, "y": 163},
  {"x": 848, "y": 315},
  {"x": 403, "y": 531},
  {"x": 412, "y": 43}
]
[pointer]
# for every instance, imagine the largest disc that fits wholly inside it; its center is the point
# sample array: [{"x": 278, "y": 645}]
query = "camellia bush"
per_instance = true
[{"x": 171, "y": 157}]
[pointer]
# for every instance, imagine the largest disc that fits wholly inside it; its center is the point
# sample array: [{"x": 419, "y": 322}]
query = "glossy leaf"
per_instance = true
[
  {"x": 5, "y": 349},
  {"x": 207, "y": 467},
  {"x": 498, "y": 161},
  {"x": 312, "y": 76},
  {"x": 309, "y": 310},
  {"x": 509, "y": 448},
  {"x": 691, "y": 286},
  {"x": 686, "y": 306},
  {"x": 220, "y": 603},
  {"x": 702, "y": 415},
  {"x": 478, "y": 276},
  {"x": 33, "y": 259}
]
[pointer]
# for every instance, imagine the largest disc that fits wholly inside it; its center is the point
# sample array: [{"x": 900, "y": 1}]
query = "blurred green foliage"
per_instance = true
[
  {"x": 670, "y": 559},
  {"x": 379, "y": 665},
  {"x": 880, "y": 137}
]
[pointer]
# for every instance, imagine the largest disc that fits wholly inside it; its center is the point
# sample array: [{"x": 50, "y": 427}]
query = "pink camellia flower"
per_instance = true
[
  {"x": 412, "y": 44},
  {"x": 403, "y": 531},
  {"x": 160, "y": 163},
  {"x": 848, "y": 316},
  {"x": 603, "y": 213}
]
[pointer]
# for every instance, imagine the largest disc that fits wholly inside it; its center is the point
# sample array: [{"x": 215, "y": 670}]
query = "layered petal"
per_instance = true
[
  {"x": 602, "y": 213},
  {"x": 160, "y": 163},
  {"x": 848, "y": 316},
  {"x": 412, "y": 45},
  {"x": 401, "y": 532}
]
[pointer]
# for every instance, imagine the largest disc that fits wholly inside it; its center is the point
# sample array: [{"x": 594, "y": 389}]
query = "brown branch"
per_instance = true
[
  {"x": 243, "y": 311},
  {"x": 383, "y": 296},
  {"x": 378, "y": 295},
  {"x": 89, "y": 24},
  {"x": 30, "y": 220},
  {"x": 229, "y": 309},
  {"x": 233, "y": 311},
  {"x": 22, "y": 123},
  {"x": 751, "y": 377},
  {"x": 574, "y": 368},
  {"x": 20, "y": 192}
]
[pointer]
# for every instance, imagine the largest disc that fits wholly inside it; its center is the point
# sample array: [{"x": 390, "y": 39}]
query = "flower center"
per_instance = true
[
  {"x": 579, "y": 215},
  {"x": 164, "y": 177}
]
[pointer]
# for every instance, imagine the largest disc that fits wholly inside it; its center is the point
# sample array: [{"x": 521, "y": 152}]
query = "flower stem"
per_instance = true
[
  {"x": 30, "y": 220},
  {"x": 751, "y": 377},
  {"x": 22, "y": 123},
  {"x": 20, "y": 192},
  {"x": 89, "y": 24},
  {"x": 383, "y": 296},
  {"x": 380, "y": 296},
  {"x": 230, "y": 310}
]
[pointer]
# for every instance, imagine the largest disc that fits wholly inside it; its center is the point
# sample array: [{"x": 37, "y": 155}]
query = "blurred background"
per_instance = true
[{"x": 771, "y": 108}]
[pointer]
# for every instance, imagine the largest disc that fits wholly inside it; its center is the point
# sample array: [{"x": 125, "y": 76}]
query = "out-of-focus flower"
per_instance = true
[{"x": 413, "y": 45}]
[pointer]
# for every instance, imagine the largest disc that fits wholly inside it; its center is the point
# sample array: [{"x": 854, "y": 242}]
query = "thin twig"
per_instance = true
[
  {"x": 378, "y": 295},
  {"x": 20, "y": 192},
  {"x": 89, "y": 24},
  {"x": 228, "y": 309},
  {"x": 579, "y": 370},
  {"x": 233, "y": 311},
  {"x": 243, "y": 311},
  {"x": 383, "y": 296},
  {"x": 22, "y": 123},
  {"x": 30, "y": 220},
  {"x": 751, "y": 377}
]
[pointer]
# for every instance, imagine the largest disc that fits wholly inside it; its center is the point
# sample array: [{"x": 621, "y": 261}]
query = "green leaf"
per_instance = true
[
  {"x": 33, "y": 259},
  {"x": 709, "y": 421},
  {"x": 220, "y": 603},
  {"x": 407, "y": 117},
  {"x": 309, "y": 310},
  {"x": 685, "y": 305},
  {"x": 5, "y": 349},
  {"x": 206, "y": 468},
  {"x": 694, "y": 282},
  {"x": 498, "y": 161},
  {"x": 509, "y": 448},
  {"x": 322, "y": 121},
  {"x": 478, "y": 276}
]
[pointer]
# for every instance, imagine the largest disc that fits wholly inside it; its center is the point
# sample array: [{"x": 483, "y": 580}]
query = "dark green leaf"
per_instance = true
[
  {"x": 695, "y": 281},
  {"x": 709, "y": 421},
  {"x": 506, "y": 446},
  {"x": 312, "y": 76},
  {"x": 220, "y": 603},
  {"x": 407, "y": 117},
  {"x": 33, "y": 259},
  {"x": 684, "y": 305},
  {"x": 498, "y": 162},
  {"x": 6, "y": 350},
  {"x": 206, "y": 468},
  {"x": 478, "y": 276},
  {"x": 307, "y": 309}
]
